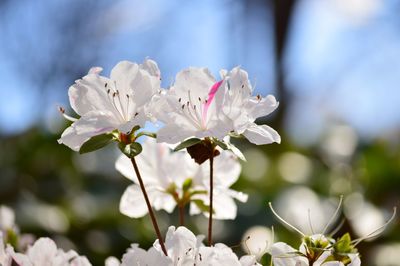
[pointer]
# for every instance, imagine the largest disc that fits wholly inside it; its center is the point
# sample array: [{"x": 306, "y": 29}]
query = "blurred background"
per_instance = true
[{"x": 334, "y": 65}]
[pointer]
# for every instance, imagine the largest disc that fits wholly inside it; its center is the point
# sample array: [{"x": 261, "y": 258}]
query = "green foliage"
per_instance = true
[
  {"x": 96, "y": 143},
  {"x": 187, "y": 143},
  {"x": 131, "y": 150}
]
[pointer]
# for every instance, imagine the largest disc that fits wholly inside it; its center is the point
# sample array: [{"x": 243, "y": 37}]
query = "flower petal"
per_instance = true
[
  {"x": 132, "y": 202},
  {"x": 262, "y": 134}
]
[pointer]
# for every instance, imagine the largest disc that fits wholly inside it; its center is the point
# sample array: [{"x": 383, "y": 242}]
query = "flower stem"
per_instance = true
[
  {"x": 181, "y": 215},
  {"x": 211, "y": 200},
  {"x": 146, "y": 198}
]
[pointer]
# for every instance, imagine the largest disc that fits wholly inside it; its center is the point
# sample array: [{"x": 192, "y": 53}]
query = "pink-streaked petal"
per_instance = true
[{"x": 210, "y": 98}]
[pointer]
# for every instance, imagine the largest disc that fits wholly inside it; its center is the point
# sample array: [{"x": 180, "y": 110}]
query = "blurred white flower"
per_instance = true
[
  {"x": 105, "y": 104},
  {"x": 173, "y": 178},
  {"x": 7, "y": 218},
  {"x": 44, "y": 252}
]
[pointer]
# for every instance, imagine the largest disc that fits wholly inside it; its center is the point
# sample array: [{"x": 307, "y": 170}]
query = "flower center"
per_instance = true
[
  {"x": 113, "y": 94},
  {"x": 196, "y": 110}
]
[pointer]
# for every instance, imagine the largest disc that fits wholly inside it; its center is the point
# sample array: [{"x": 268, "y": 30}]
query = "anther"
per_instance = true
[
  {"x": 199, "y": 99},
  {"x": 61, "y": 109},
  {"x": 108, "y": 91},
  {"x": 105, "y": 85},
  {"x": 180, "y": 99}
]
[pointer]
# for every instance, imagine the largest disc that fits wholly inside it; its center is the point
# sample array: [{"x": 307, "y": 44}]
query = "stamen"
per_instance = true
[
  {"x": 309, "y": 222},
  {"x": 333, "y": 216},
  {"x": 284, "y": 222},
  {"x": 62, "y": 111},
  {"x": 376, "y": 231}
]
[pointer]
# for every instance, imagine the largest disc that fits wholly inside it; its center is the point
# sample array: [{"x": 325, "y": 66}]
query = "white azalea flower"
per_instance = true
[
  {"x": 190, "y": 108},
  {"x": 106, "y": 104},
  {"x": 184, "y": 249},
  {"x": 164, "y": 174},
  {"x": 243, "y": 109},
  {"x": 44, "y": 252},
  {"x": 284, "y": 255}
]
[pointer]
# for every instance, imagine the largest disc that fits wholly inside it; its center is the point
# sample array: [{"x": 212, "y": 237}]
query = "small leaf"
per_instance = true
[
  {"x": 130, "y": 150},
  {"x": 187, "y": 143},
  {"x": 187, "y": 184},
  {"x": 95, "y": 143},
  {"x": 266, "y": 260},
  {"x": 220, "y": 144},
  {"x": 203, "y": 207}
]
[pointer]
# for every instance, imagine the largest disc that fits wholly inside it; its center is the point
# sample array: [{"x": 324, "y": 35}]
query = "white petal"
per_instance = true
[
  {"x": 218, "y": 255},
  {"x": 112, "y": 261},
  {"x": 284, "y": 255},
  {"x": 261, "y": 107},
  {"x": 125, "y": 167},
  {"x": 71, "y": 139},
  {"x": 198, "y": 80},
  {"x": 173, "y": 134},
  {"x": 95, "y": 70},
  {"x": 226, "y": 169},
  {"x": 151, "y": 67},
  {"x": 90, "y": 94},
  {"x": 261, "y": 135},
  {"x": 43, "y": 252},
  {"x": 249, "y": 260},
  {"x": 132, "y": 202},
  {"x": 178, "y": 242}
]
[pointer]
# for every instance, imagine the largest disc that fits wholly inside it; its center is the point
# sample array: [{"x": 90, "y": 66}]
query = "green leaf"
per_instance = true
[
  {"x": 95, "y": 143},
  {"x": 187, "y": 143},
  {"x": 202, "y": 206},
  {"x": 187, "y": 184},
  {"x": 220, "y": 144},
  {"x": 130, "y": 150},
  {"x": 266, "y": 260}
]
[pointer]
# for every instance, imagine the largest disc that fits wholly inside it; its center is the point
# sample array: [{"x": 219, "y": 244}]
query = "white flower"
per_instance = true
[
  {"x": 284, "y": 255},
  {"x": 7, "y": 218},
  {"x": 191, "y": 107},
  {"x": 164, "y": 174},
  {"x": 106, "y": 104},
  {"x": 44, "y": 252},
  {"x": 243, "y": 109},
  {"x": 226, "y": 172},
  {"x": 184, "y": 249}
]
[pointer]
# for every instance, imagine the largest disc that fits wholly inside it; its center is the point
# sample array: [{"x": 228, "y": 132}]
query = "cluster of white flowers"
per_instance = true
[
  {"x": 43, "y": 252},
  {"x": 195, "y": 106},
  {"x": 184, "y": 248},
  {"x": 197, "y": 113}
]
